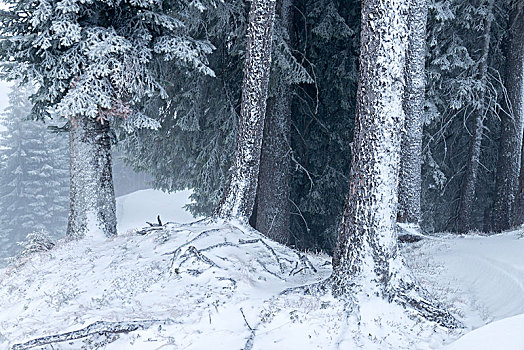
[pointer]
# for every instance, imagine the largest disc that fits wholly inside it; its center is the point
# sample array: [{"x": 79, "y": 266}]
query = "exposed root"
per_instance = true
[
  {"x": 429, "y": 310},
  {"x": 406, "y": 294}
]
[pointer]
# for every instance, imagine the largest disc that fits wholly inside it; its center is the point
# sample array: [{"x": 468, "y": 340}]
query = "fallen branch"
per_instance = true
[
  {"x": 97, "y": 328},
  {"x": 306, "y": 264},
  {"x": 148, "y": 230},
  {"x": 200, "y": 235},
  {"x": 259, "y": 240},
  {"x": 159, "y": 224},
  {"x": 250, "y": 340},
  {"x": 193, "y": 252}
]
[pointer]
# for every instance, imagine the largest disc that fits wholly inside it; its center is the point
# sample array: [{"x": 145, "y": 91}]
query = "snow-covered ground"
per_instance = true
[
  {"x": 134, "y": 209},
  {"x": 482, "y": 279},
  {"x": 209, "y": 285}
]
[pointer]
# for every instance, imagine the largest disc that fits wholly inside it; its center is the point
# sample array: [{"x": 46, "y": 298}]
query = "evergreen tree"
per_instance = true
[
  {"x": 470, "y": 181},
  {"x": 194, "y": 144},
  {"x": 455, "y": 41},
  {"x": 322, "y": 119},
  {"x": 410, "y": 180},
  {"x": 94, "y": 62},
  {"x": 34, "y": 183},
  {"x": 366, "y": 260},
  {"x": 507, "y": 211},
  {"x": 239, "y": 194},
  {"x": 317, "y": 59}
]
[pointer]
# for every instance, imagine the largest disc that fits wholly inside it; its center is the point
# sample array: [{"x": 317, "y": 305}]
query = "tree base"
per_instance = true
[{"x": 408, "y": 295}]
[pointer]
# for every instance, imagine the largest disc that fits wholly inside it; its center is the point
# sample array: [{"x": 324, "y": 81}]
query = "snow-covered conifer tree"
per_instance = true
[
  {"x": 239, "y": 196},
  {"x": 273, "y": 205},
  {"x": 34, "y": 183},
  {"x": 93, "y": 63},
  {"x": 366, "y": 258}
]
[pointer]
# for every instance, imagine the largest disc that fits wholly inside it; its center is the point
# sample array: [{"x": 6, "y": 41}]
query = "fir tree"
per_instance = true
[
  {"x": 239, "y": 194},
  {"x": 34, "y": 176},
  {"x": 366, "y": 261},
  {"x": 94, "y": 62}
]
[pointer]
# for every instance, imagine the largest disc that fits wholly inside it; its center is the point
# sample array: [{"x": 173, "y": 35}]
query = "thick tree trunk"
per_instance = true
[
  {"x": 239, "y": 194},
  {"x": 273, "y": 209},
  {"x": 467, "y": 195},
  {"x": 509, "y": 162},
  {"x": 519, "y": 206},
  {"x": 410, "y": 176},
  {"x": 366, "y": 262},
  {"x": 92, "y": 210},
  {"x": 367, "y": 242}
]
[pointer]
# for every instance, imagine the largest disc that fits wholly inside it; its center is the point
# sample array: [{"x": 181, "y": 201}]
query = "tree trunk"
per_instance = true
[
  {"x": 239, "y": 194},
  {"x": 467, "y": 195},
  {"x": 509, "y": 162},
  {"x": 410, "y": 177},
  {"x": 519, "y": 206},
  {"x": 366, "y": 262},
  {"x": 273, "y": 210},
  {"x": 92, "y": 210},
  {"x": 367, "y": 241}
]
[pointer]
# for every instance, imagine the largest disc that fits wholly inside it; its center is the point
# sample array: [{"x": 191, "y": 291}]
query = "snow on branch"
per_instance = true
[{"x": 97, "y": 328}]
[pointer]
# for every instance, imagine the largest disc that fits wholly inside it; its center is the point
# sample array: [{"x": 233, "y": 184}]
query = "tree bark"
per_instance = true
[
  {"x": 367, "y": 242},
  {"x": 509, "y": 162},
  {"x": 273, "y": 209},
  {"x": 366, "y": 261},
  {"x": 467, "y": 195},
  {"x": 92, "y": 210},
  {"x": 519, "y": 206},
  {"x": 239, "y": 195},
  {"x": 410, "y": 177}
]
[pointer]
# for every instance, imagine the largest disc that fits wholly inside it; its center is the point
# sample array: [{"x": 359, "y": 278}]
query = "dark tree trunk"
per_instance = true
[
  {"x": 509, "y": 162},
  {"x": 366, "y": 261},
  {"x": 92, "y": 210},
  {"x": 239, "y": 194},
  {"x": 367, "y": 242},
  {"x": 410, "y": 176},
  {"x": 519, "y": 206},
  {"x": 273, "y": 210},
  {"x": 467, "y": 195}
]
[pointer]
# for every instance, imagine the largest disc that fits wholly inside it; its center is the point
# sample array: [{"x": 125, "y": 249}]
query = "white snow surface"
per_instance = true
[
  {"x": 134, "y": 209},
  {"x": 219, "y": 285}
]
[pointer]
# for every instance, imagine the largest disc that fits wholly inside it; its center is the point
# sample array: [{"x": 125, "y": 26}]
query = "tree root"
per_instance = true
[
  {"x": 429, "y": 310},
  {"x": 97, "y": 328}
]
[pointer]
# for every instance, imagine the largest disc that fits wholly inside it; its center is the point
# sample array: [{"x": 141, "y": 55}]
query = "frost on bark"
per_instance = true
[
  {"x": 509, "y": 162},
  {"x": 273, "y": 210},
  {"x": 367, "y": 243},
  {"x": 411, "y": 154},
  {"x": 239, "y": 194},
  {"x": 366, "y": 259},
  {"x": 467, "y": 195},
  {"x": 92, "y": 210}
]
